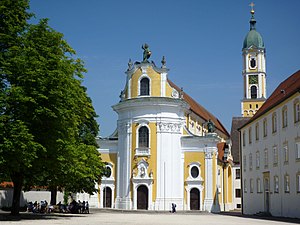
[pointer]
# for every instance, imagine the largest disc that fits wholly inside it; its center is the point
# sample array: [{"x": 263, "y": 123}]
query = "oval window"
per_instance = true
[
  {"x": 195, "y": 172},
  {"x": 107, "y": 172}
]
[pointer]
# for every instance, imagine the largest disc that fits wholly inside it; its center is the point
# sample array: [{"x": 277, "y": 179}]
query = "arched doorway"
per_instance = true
[
  {"x": 107, "y": 197},
  {"x": 194, "y": 199},
  {"x": 142, "y": 197}
]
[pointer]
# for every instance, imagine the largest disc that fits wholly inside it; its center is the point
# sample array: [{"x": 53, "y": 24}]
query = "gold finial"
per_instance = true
[{"x": 252, "y": 7}]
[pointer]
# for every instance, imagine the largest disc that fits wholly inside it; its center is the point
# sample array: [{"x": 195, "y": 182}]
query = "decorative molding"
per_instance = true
[
  {"x": 169, "y": 127},
  {"x": 175, "y": 93},
  {"x": 208, "y": 155}
]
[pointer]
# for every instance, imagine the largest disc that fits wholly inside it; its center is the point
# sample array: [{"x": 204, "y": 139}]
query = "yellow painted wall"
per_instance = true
[
  {"x": 190, "y": 157},
  {"x": 229, "y": 181},
  {"x": 155, "y": 82},
  {"x": 220, "y": 195},
  {"x": 151, "y": 160},
  {"x": 112, "y": 158},
  {"x": 134, "y": 83},
  {"x": 169, "y": 90},
  {"x": 246, "y": 106}
]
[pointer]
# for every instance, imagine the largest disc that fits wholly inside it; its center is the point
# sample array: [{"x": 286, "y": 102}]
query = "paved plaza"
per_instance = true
[{"x": 111, "y": 217}]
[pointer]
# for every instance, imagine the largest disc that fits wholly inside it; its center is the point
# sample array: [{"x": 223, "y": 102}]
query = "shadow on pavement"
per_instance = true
[
  {"x": 261, "y": 216},
  {"x": 6, "y": 216}
]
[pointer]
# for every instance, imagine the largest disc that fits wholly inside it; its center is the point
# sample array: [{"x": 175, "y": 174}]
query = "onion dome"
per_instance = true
[{"x": 253, "y": 37}]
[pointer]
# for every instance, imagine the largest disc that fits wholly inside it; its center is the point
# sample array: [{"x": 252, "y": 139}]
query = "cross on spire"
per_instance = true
[{"x": 252, "y": 7}]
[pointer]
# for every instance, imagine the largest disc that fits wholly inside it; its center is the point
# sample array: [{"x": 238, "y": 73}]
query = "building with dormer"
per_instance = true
[{"x": 270, "y": 153}]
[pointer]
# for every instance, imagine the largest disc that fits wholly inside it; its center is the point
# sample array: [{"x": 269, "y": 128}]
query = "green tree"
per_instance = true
[{"x": 47, "y": 121}]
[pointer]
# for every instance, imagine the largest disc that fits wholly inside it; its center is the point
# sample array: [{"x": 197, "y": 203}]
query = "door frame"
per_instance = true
[
  {"x": 267, "y": 196},
  {"x": 199, "y": 198},
  {"x": 139, "y": 186},
  {"x": 105, "y": 197}
]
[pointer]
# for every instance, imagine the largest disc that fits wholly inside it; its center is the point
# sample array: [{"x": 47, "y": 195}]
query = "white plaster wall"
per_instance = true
[
  {"x": 281, "y": 204},
  {"x": 6, "y": 197}
]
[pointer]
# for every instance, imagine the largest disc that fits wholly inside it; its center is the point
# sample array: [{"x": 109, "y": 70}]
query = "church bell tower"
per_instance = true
[{"x": 254, "y": 70}]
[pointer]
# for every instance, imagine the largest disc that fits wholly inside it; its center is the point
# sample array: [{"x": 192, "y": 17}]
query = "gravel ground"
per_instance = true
[{"x": 116, "y": 217}]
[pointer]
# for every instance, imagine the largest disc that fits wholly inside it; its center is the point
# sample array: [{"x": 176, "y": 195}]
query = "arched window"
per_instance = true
[
  {"x": 144, "y": 86},
  {"x": 144, "y": 137},
  {"x": 253, "y": 91}
]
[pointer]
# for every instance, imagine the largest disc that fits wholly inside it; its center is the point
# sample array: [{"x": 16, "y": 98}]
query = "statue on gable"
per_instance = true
[
  {"x": 147, "y": 53},
  {"x": 210, "y": 126}
]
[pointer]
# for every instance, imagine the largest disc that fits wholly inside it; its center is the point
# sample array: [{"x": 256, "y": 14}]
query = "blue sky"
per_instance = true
[{"x": 201, "y": 40}]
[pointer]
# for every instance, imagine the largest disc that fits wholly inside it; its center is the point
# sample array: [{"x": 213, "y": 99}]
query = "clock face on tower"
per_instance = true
[{"x": 253, "y": 79}]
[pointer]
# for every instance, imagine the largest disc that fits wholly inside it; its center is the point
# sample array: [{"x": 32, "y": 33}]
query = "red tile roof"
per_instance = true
[
  {"x": 200, "y": 110},
  {"x": 6, "y": 184},
  {"x": 285, "y": 90}
]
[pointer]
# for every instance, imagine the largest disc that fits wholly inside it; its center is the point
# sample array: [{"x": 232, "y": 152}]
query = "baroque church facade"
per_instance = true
[{"x": 167, "y": 148}]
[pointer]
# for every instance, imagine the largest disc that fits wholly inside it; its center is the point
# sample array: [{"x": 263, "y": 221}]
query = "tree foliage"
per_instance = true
[{"x": 47, "y": 121}]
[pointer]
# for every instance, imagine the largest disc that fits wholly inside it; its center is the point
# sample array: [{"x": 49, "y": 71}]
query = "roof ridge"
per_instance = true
[{"x": 205, "y": 114}]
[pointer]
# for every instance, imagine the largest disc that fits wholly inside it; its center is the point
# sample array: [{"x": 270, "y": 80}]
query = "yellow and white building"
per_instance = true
[
  {"x": 163, "y": 150},
  {"x": 254, "y": 95},
  {"x": 254, "y": 71}
]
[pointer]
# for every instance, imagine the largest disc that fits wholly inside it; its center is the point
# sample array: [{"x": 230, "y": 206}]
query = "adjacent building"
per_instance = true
[{"x": 270, "y": 154}]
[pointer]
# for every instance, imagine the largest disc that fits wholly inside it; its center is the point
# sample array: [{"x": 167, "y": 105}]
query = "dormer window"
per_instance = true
[{"x": 144, "y": 87}]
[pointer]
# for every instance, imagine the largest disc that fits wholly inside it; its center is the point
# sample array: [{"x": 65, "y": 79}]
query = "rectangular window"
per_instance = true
[
  {"x": 244, "y": 138},
  {"x": 257, "y": 132},
  {"x": 286, "y": 154},
  {"x": 258, "y": 183},
  {"x": 266, "y": 158},
  {"x": 286, "y": 184},
  {"x": 237, "y": 193},
  {"x": 250, "y": 161},
  {"x": 297, "y": 111},
  {"x": 275, "y": 155},
  {"x": 276, "y": 184},
  {"x": 250, "y": 135},
  {"x": 251, "y": 185},
  {"x": 284, "y": 117},
  {"x": 274, "y": 123},
  {"x": 265, "y": 126},
  {"x": 237, "y": 174},
  {"x": 297, "y": 150},
  {"x": 298, "y": 182},
  {"x": 245, "y": 186},
  {"x": 257, "y": 160},
  {"x": 244, "y": 163}
]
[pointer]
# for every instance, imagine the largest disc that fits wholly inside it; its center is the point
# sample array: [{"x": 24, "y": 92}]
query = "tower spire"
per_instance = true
[
  {"x": 254, "y": 70},
  {"x": 252, "y": 20}
]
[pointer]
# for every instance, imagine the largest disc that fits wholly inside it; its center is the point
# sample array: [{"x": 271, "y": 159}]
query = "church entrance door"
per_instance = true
[
  {"x": 195, "y": 199},
  {"x": 107, "y": 197},
  {"x": 142, "y": 197}
]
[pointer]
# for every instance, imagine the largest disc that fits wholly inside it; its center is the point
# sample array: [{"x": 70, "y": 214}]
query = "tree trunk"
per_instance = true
[
  {"x": 17, "y": 180},
  {"x": 53, "y": 195}
]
